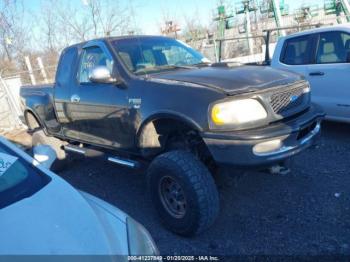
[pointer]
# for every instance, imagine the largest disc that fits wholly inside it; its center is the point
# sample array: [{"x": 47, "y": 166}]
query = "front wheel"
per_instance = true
[{"x": 183, "y": 192}]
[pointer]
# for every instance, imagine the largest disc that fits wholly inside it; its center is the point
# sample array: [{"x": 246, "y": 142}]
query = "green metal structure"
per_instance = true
[
  {"x": 224, "y": 20},
  {"x": 337, "y": 7}
]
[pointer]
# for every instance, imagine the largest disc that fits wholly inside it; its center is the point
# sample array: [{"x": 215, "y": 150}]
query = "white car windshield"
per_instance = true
[{"x": 18, "y": 179}]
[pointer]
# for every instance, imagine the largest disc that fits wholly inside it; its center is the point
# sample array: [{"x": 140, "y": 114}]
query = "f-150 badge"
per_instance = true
[{"x": 135, "y": 102}]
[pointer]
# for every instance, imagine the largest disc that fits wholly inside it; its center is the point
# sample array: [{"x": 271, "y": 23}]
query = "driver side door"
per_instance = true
[{"x": 100, "y": 110}]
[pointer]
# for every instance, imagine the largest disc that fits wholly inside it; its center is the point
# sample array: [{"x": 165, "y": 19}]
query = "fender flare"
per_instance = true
[
  {"x": 166, "y": 115},
  {"x": 27, "y": 111}
]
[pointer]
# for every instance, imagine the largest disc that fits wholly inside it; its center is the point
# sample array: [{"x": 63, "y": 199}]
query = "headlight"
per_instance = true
[
  {"x": 237, "y": 112},
  {"x": 307, "y": 89},
  {"x": 139, "y": 240}
]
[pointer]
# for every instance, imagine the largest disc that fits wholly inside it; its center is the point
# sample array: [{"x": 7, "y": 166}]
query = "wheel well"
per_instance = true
[
  {"x": 31, "y": 120},
  {"x": 166, "y": 134}
]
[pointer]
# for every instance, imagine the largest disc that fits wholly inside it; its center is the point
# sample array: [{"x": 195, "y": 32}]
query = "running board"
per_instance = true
[
  {"x": 95, "y": 153},
  {"x": 75, "y": 149}
]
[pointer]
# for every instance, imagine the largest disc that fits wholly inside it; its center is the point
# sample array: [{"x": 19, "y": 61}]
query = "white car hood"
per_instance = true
[{"x": 59, "y": 220}]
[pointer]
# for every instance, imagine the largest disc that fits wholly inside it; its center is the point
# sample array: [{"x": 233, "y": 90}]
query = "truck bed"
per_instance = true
[
  {"x": 38, "y": 100},
  {"x": 28, "y": 90}
]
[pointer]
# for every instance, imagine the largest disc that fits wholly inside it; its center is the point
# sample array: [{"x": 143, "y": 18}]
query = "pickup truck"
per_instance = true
[
  {"x": 152, "y": 99},
  {"x": 322, "y": 56}
]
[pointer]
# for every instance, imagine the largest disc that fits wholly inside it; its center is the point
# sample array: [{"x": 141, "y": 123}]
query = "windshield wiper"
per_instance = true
[
  {"x": 165, "y": 67},
  {"x": 201, "y": 64}
]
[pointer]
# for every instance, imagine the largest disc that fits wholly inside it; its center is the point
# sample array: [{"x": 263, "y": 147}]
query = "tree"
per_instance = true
[
  {"x": 70, "y": 23},
  {"x": 13, "y": 30}
]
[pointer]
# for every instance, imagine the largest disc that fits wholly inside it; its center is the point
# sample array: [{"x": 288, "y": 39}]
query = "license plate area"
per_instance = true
[{"x": 306, "y": 130}]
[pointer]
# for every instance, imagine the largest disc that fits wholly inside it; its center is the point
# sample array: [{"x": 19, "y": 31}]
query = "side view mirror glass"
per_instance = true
[{"x": 101, "y": 74}]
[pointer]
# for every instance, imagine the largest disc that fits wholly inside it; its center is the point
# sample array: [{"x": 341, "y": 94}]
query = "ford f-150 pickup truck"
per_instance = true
[{"x": 137, "y": 98}]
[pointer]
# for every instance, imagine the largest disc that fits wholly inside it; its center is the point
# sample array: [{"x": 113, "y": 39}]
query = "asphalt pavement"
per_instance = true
[{"x": 306, "y": 212}]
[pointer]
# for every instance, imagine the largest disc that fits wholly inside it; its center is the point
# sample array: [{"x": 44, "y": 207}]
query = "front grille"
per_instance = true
[{"x": 288, "y": 100}]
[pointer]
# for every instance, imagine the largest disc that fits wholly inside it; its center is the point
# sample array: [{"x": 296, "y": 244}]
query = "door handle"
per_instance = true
[
  {"x": 75, "y": 99},
  {"x": 316, "y": 73}
]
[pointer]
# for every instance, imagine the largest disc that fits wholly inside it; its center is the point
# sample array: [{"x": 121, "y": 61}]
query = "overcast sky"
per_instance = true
[{"x": 149, "y": 13}]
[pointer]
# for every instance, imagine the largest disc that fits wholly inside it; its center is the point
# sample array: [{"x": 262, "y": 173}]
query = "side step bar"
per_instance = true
[
  {"x": 74, "y": 149},
  {"x": 95, "y": 153}
]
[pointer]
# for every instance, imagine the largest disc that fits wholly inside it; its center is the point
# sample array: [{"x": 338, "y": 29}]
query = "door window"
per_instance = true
[
  {"x": 92, "y": 57},
  {"x": 297, "y": 51},
  {"x": 333, "y": 47}
]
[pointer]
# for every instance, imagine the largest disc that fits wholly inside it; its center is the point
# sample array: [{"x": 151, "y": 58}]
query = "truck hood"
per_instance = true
[
  {"x": 60, "y": 220},
  {"x": 233, "y": 80}
]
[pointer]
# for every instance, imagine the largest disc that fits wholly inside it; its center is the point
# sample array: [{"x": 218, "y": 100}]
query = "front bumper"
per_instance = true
[{"x": 295, "y": 134}]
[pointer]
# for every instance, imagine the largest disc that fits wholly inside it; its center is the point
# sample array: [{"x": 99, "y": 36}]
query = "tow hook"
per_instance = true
[{"x": 280, "y": 169}]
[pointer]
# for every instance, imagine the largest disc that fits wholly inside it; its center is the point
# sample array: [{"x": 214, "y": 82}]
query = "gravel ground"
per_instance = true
[{"x": 306, "y": 212}]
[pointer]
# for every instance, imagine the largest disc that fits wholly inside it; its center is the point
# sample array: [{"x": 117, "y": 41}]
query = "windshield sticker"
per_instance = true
[{"x": 6, "y": 161}]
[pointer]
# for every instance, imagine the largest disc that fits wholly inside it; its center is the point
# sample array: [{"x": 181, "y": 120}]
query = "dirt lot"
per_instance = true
[{"x": 304, "y": 212}]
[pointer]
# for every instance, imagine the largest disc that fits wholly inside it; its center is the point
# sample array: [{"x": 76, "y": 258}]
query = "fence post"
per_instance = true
[
  {"x": 14, "y": 107},
  {"x": 220, "y": 49},
  {"x": 42, "y": 69},
  {"x": 30, "y": 70}
]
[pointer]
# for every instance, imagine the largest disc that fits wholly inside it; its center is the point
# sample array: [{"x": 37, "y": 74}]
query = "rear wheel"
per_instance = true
[
  {"x": 183, "y": 192},
  {"x": 32, "y": 122}
]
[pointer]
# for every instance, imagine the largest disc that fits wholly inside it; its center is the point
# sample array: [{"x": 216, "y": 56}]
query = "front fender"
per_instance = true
[{"x": 147, "y": 136}]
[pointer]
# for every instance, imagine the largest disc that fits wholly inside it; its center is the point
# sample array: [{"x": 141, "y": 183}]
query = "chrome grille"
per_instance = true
[{"x": 287, "y": 100}]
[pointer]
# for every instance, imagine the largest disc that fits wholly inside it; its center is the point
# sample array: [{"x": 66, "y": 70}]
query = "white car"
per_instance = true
[
  {"x": 41, "y": 214},
  {"x": 322, "y": 55}
]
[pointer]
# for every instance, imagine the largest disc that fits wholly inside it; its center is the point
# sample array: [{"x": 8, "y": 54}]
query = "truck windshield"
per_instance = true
[
  {"x": 155, "y": 54},
  {"x": 18, "y": 179}
]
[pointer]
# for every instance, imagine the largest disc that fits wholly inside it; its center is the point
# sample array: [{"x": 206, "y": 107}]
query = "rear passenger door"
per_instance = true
[{"x": 329, "y": 74}]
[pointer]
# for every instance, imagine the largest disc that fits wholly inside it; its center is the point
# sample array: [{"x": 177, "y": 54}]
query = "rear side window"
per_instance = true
[
  {"x": 66, "y": 65},
  {"x": 297, "y": 51},
  {"x": 333, "y": 47}
]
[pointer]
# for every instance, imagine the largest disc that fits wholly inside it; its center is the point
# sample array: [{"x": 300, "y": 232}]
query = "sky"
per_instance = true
[{"x": 150, "y": 13}]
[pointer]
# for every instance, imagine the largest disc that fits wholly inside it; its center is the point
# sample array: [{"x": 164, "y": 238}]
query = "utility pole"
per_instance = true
[
  {"x": 277, "y": 15},
  {"x": 275, "y": 9},
  {"x": 245, "y": 7},
  {"x": 222, "y": 24}
]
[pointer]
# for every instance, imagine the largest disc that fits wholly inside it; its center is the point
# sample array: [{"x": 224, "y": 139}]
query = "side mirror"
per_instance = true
[{"x": 101, "y": 74}]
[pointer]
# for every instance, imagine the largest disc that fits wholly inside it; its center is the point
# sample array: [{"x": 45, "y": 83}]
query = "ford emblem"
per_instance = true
[{"x": 293, "y": 98}]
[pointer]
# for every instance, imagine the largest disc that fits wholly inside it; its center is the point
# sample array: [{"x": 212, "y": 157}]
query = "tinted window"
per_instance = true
[
  {"x": 333, "y": 47},
  {"x": 18, "y": 179},
  {"x": 91, "y": 58},
  {"x": 150, "y": 55},
  {"x": 66, "y": 65},
  {"x": 297, "y": 51}
]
